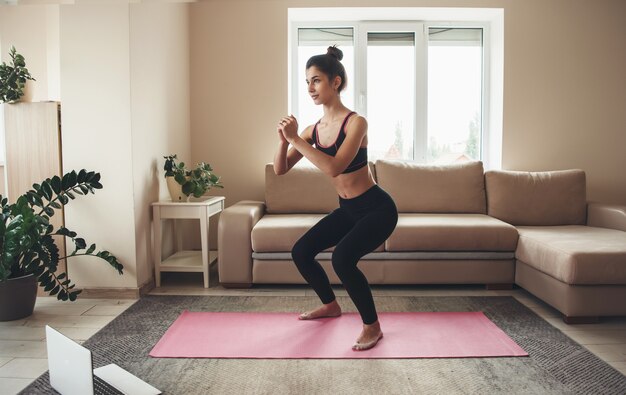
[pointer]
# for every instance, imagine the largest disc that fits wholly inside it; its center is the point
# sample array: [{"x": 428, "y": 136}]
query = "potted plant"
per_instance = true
[
  {"x": 28, "y": 253},
  {"x": 13, "y": 78},
  {"x": 182, "y": 182}
]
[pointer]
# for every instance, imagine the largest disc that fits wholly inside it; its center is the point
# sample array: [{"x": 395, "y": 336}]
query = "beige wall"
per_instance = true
[
  {"x": 159, "y": 70},
  {"x": 565, "y": 91},
  {"x": 564, "y": 87},
  {"x": 96, "y": 117},
  {"x": 127, "y": 100}
]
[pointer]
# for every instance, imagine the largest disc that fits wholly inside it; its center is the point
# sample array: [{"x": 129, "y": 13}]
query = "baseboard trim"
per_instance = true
[
  {"x": 147, "y": 287},
  {"x": 118, "y": 293},
  {"x": 110, "y": 293}
]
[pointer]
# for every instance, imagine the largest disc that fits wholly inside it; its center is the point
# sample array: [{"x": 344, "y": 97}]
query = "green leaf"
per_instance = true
[
  {"x": 69, "y": 180},
  {"x": 46, "y": 189},
  {"x": 55, "y": 182},
  {"x": 39, "y": 270},
  {"x": 49, "y": 287},
  {"x": 91, "y": 249},
  {"x": 180, "y": 179},
  {"x": 45, "y": 278},
  {"x": 82, "y": 174},
  {"x": 34, "y": 199},
  {"x": 188, "y": 188},
  {"x": 63, "y": 231},
  {"x": 80, "y": 243}
]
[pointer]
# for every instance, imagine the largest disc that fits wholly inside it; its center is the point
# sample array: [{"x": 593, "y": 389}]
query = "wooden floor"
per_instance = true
[{"x": 23, "y": 346}]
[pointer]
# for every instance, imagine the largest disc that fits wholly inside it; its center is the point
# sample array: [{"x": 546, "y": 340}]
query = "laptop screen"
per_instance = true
[{"x": 69, "y": 364}]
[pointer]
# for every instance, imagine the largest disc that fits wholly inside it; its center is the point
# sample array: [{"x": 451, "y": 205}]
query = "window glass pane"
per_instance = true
[
  {"x": 315, "y": 42},
  {"x": 454, "y": 94},
  {"x": 390, "y": 95}
]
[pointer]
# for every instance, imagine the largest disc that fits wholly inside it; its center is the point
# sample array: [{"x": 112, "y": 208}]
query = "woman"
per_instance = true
[{"x": 366, "y": 215}]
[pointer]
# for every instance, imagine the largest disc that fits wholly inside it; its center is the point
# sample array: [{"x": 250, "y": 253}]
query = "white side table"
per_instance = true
[{"x": 184, "y": 261}]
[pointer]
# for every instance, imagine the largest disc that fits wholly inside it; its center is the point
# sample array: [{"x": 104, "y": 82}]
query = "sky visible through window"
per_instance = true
[{"x": 454, "y": 103}]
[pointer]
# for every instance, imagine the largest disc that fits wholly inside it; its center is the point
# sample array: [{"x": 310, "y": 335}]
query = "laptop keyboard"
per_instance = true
[{"x": 101, "y": 387}]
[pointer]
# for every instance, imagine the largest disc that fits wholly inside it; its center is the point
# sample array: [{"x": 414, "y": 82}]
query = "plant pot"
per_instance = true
[
  {"x": 176, "y": 190},
  {"x": 28, "y": 90},
  {"x": 17, "y": 297}
]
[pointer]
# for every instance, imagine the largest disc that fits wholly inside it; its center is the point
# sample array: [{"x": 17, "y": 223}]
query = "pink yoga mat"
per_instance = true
[{"x": 282, "y": 335}]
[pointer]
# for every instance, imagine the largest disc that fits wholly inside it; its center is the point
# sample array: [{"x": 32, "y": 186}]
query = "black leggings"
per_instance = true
[{"x": 357, "y": 227}]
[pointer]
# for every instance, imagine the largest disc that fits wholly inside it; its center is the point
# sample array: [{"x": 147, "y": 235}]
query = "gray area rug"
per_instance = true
[{"x": 556, "y": 364}]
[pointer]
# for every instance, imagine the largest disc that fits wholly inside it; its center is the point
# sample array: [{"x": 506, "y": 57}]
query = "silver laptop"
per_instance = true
[{"x": 71, "y": 371}]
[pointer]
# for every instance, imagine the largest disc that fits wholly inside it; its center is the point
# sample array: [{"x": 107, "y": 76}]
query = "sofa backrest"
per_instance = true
[
  {"x": 455, "y": 188},
  {"x": 302, "y": 190},
  {"x": 537, "y": 198}
]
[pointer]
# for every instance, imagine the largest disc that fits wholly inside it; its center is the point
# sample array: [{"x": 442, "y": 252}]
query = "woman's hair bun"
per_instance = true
[{"x": 335, "y": 52}]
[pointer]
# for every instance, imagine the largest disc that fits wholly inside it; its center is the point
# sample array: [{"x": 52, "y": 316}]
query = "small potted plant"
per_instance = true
[
  {"x": 13, "y": 78},
  {"x": 28, "y": 253},
  {"x": 183, "y": 183}
]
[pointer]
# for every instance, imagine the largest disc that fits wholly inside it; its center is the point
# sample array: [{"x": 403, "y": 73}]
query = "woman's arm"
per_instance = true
[
  {"x": 333, "y": 166},
  {"x": 286, "y": 158}
]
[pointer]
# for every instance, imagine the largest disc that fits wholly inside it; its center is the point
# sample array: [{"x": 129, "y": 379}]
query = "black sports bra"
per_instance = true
[{"x": 359, "y": 160}]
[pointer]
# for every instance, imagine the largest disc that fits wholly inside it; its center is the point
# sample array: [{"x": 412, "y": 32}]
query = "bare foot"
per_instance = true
[
  {"x": 370, "y": 335},
  {"x": 331, "y": 309}
]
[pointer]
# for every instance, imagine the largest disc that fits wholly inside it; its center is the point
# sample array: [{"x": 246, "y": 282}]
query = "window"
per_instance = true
[{"x": 422, "y": 85}]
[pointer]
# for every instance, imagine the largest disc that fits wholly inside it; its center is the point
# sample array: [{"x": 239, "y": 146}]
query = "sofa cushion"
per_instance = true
[
  {"x": 451, "y": 232},
  {"x": 457, "y": 188},
  {"x": 575, "y": 254},
  {"x": 537, "y": 198},
  {"x": 279, "y": 232}
]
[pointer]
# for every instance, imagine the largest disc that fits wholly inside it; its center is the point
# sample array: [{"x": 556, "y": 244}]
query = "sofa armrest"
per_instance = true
[
  {"x": 610, "y": 216},
  {"x": 234, "y": 242}
]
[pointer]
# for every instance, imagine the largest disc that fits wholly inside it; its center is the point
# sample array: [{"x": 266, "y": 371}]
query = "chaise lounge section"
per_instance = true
[{"x": 570, "y": 254}]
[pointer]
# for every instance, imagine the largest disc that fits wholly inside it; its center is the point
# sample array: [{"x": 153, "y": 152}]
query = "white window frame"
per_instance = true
[{"x": 396, "y": 20}]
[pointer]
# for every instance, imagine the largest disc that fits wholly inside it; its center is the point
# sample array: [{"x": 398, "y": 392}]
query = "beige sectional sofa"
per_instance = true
[{"x": 457, "y": 225}]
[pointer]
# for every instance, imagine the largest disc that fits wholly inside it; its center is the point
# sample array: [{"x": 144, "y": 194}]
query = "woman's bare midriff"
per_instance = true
[{"x": 351, "y": 185}]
